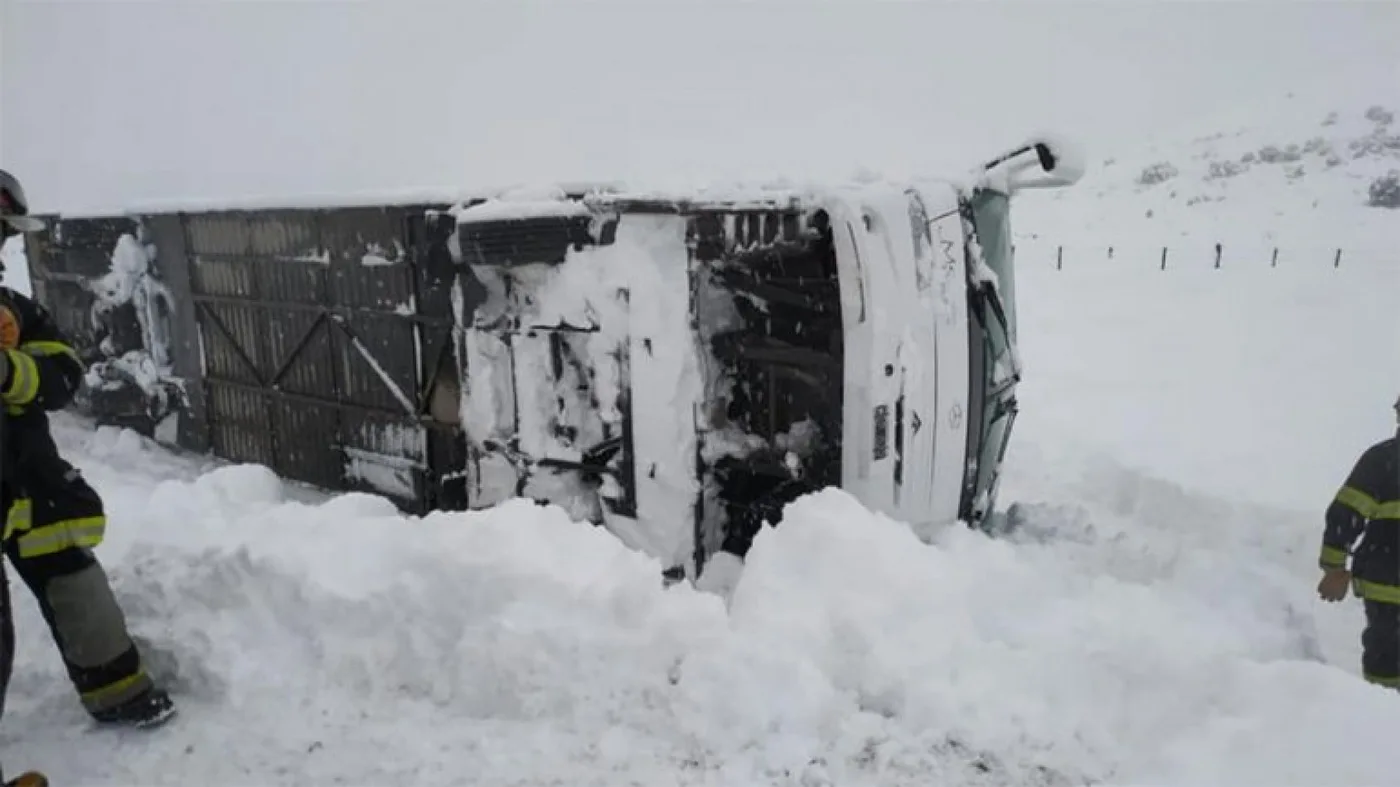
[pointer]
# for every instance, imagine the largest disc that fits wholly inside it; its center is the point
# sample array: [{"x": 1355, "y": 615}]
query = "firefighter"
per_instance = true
[
  {"x": 54, "y": 517},
  {"x": 1368, "y": 505}
]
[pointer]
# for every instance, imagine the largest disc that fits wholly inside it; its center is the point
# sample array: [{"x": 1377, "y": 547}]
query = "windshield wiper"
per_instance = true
[{"x": 990, "y": 298}]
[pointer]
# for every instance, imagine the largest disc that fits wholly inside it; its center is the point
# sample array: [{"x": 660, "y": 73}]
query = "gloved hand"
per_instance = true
[{"x": 1334, "y": 584}]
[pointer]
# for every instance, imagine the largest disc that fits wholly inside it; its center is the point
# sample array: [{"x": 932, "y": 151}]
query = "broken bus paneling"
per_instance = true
[
  {"x": 763, "y": 309},
  {"x": 547, "y": 437},
  {"x": 307, "y": 340}
]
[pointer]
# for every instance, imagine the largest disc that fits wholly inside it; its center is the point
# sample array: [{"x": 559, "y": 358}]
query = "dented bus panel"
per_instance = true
[{"x": 677, "y": 368}]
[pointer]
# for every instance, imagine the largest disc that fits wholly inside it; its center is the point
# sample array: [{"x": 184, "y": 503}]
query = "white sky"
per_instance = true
[{"x": 109, "y": 103}]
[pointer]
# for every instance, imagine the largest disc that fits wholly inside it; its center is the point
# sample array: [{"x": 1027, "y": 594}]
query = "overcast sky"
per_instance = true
[{"x": 109, "y": 103}]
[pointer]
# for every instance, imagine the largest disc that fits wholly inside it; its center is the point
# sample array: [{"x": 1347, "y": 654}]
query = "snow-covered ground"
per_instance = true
[
  {"x": 1153, "y": 623},
  {"x": 1290, "y": 170}
]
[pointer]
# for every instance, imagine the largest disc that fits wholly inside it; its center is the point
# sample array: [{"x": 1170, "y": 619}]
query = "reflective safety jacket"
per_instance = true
[
  {"x": 1368, "y": 505},
  {"x": 49, "y": 506}
]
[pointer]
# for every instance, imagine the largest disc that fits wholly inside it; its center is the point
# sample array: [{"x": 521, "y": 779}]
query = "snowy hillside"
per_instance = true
[{"x": 1305, "y": 173}]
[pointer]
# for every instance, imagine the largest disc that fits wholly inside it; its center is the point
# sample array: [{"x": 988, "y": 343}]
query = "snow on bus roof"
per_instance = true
[
  {"x": 521, "y": 203},
  {"x": 555, "y": 199},
  {"x": 427, "y": 195}
]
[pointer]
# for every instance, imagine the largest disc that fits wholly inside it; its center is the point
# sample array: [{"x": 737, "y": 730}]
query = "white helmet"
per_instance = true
[{"x": 14, "y": 208}]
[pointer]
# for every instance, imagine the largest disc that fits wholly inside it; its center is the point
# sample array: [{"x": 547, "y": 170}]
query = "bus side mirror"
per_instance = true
[{"x": 1047, "y": 162}]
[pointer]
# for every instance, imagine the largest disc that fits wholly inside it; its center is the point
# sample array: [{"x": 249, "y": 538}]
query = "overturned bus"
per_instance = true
[{"x": 673, "y": 367}]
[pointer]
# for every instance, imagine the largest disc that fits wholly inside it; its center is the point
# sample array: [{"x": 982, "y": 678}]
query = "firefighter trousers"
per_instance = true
[
  {"x": 1380, "y": 644},
  {"x": 87, "y": 625},
  {"x": 7, "y": 638}
]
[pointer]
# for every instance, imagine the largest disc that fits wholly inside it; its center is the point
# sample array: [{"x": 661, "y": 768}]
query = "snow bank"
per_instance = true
[
  {"x": 1088, "y": 646},
  {"x": 1121, "y": 638},
  {"x": 322, "y": 639}
]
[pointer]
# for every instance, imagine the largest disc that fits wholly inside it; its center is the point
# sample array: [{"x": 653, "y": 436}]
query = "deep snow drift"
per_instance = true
[{"x": 1131, "y": 632}]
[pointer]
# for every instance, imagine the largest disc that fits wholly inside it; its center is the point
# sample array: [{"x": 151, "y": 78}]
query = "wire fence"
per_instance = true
[{"x": 1202, "y": 255}]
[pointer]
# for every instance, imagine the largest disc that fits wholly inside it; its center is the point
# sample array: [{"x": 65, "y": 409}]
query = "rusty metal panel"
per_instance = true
[
  {"x": 429, "y": 234},
  {"x": 38, "y": 247},
  {"x": 360, "y": 236},
  {"x": 445, "y": 485},
  {"x": 302, "y": 344},
  {"x": 387, "y": 288},
  {"x": 305, "y": 350},
  {"x": 240, "y": 424},
  {"x": 233, "y": 278},
  {"x": 232, "y": 337},
  {"x": 98, "y": 232},
  {"x": 307, "y": 450},
  {"x": 385, "y": 456},
  {"x": 286, "y": 235},
  {"x": 40, "y": 253},
  {"x": 302, "y": 350},
  {"x": 379, "y": 362},
  {"x": 217, "y": 233},
  {"x": 386, "y": 435},
  {"x": 83, "y": 247},
  {"x": 167, "y": 234},
  {"x": 88, "y": 262},
  {"x": 288, "y": 281},
  {"x": 437, "y": 362},
  {"x": 69, "y": 303}
]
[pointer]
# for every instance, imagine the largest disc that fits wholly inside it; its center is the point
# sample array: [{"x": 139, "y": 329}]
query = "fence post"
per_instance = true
[{"x": 1219, "y": 256}]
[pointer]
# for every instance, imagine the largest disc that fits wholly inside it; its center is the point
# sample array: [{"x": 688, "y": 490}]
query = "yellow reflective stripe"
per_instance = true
[
  {"x": 1333, "y": 557},
  {"x": 115, "y": 687},
  {"x": 1388, "y": 510},
  {"x": 24, "y": 379},
  {"x": 1375, "y": 591},
  {"x": 44, "y": 348},
  {"x": 48, "y": 539},
  {"x": 1357, "y": 500},
  {"x": 19, "y": 518},
  {"x": 1390, "y": 682}
]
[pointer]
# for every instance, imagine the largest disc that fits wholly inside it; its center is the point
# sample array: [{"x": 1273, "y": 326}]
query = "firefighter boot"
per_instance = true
[{"x": 150, "y": 708}]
